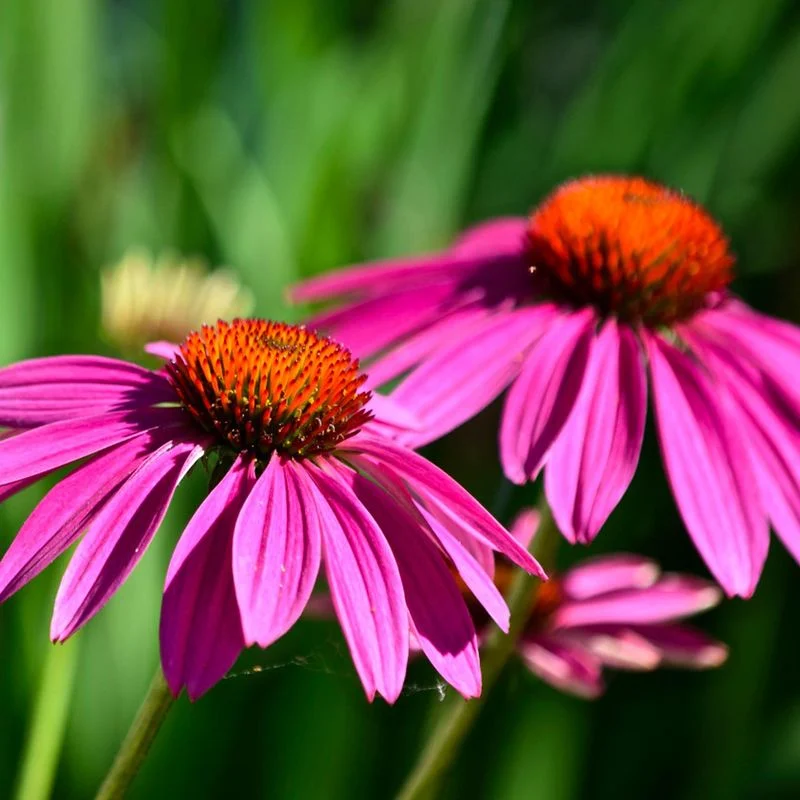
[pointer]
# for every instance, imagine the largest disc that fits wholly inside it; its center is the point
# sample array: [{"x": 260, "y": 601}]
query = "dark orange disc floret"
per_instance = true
[
  {"x": 262, "y": 386},
  {"x": 629, "y": 247}
]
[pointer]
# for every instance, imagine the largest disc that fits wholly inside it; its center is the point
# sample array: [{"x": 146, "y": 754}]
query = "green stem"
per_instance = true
[
  {"x": 456, "y": 721},
  {"x": 46, "y": 733},
  {"x": 133, "y": 752}
]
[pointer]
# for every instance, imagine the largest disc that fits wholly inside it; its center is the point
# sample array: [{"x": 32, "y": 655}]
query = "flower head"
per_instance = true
[
  {"x": 304, "y": 478},
  {"x": 630, "y": 248},
  {"x": 610, "y": 280},
  {"x": 146, "y": 300},
  {"x": 615, "y": 611}
]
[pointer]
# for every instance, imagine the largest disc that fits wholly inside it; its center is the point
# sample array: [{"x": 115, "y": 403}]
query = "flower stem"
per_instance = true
[
  {"x": 456, "y": 721},
  {"x": 46, "y": 734},
  {"x": 134, "y": 749}
]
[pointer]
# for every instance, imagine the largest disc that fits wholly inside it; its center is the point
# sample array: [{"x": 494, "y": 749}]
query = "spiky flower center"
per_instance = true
[
  {"x": 629, "y": 247},
  {"x": 262, "y": 386}
]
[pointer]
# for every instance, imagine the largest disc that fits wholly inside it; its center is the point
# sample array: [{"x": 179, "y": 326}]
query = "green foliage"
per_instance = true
[{"x": 284, "y": 139}]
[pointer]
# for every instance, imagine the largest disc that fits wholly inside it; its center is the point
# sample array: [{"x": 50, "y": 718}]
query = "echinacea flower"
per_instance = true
[
  {"x": 616, "y": 611},
  {"x": 610, "y": 280},
  {"x": 302, "y": 477},
  {"x": 145, "y": 299}
]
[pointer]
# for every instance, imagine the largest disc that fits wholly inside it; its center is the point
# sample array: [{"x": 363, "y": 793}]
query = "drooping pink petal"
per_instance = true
[
  {"x": 593, "y": 460},
  {"x": 451, "y": 522},
  {"x": 434, "y": 486},
  {"x": 455, "y": 326},
  {"x": 41, "y": 450},
  {"x": 568, "y": 668},
  {"x": 672, "y": 597},
  {"x": 466, "y": 535},
  {"x": 475, "y": 577},
  {"x": 473, "y": 566},
  {"x": 65, "y": 512},
  {"x": 525, "y": 525},
  {"x": 118, "y": 537},
  {"x": 616, "y": 646},
  {"x": 41, "y": 404},
  {"x": 684, "y": 646},
  {"x": 543, "y": 396},
  {"x": 201, "y": 631},
  {"x": 773, "y": 440},
  {"x": 365, "y": 586},
  {"x": 501, "y": 236},
  {"x": 603, "y": 574},
  {"x": 769, "y": 345},
  {"x": 708, "y": 469},
  {"x": 464, "y": 377},
  {"x": 276, "y": 552},
  {"x": 439, "y": 616}
]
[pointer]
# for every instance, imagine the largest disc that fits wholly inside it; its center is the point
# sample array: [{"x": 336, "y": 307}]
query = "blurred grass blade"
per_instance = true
[{"x": 48, "y": 723}]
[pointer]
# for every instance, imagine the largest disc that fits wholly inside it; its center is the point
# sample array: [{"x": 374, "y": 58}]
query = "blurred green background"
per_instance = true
[{"x": 285, "y": 138}]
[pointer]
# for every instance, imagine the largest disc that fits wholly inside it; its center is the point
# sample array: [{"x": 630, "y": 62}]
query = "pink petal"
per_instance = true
[
  {"x": 602, "y": 574},
  {"x": 616, "y": 647},
  {"x": 504, "y": 235},
  {"x": 162, "y": 349},
  {"x": 41, "y": 404},
  {"x": 568, "y": 668},
  {"x": 92, "y": 370},
  {"x": 365, "y": 586},
  {"x": 708, "y": 469},
  {"x": 525, "y": 525},
  {"x": 769, "y": 345},
  {"x": 41, "y": 450},
  {"x": 464, "y": 377},
  {"x": 433, "y": 486},
  {"x": 65, "y": 512},
  {"x": 594, "y": 458},
  {"x": 390, "y": 416},
  {"x": 471, "y": 571},
  {"x": 371, "y": 325},
  {"x": 201, "y": 631},
  {"x": 379, "y": 277},
  {"x": 472, "y": 566},
  {"x": 543, "y": 396},
  {"x": 276, "y": 552},
  {"x": 774, "y": 442},
  {"x": 672, "y": 597},
  {"x": 467, "y": 536},
  {"x": 439, "y": 617},
  {"x": 683, "y": 646},
  {"x": 453, "y": 326},
  {"x": 118, "y": 537}
]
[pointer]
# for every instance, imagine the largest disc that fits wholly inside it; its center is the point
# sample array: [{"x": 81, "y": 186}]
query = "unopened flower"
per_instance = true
[
  {"x": 302, "y": 477},
  {"x": 615, "y": 611},
  {"x": 609, "y": 280},
  {"x": 146, "y": 300}
]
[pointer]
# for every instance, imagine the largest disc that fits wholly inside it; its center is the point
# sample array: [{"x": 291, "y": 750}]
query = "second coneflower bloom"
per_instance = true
[
  {"x": 302, "y": 478},
  {"x": 610, "y": 280}
]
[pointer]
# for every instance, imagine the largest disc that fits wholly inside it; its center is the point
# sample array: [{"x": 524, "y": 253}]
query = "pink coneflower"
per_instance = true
[
  {"x": 301, "y": 477},
  {"x": 614, "y": 611},
  {"x": 609, "y": 280}
]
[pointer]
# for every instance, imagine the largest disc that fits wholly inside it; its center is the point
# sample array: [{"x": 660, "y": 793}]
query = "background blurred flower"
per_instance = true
[
  {"x": 146, "y": 300},
  {"x": 610, "y": 278},
  {"x": 614, "y": 611},
  {"x": 302, "y": 477}
]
